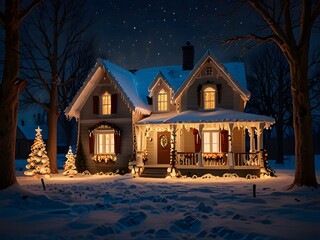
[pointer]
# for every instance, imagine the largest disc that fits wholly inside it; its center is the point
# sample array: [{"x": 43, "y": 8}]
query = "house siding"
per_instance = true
[
  {"x": 121, "y": 119},
  {"x": 126, "y": 149},
  {"x": 189, "y": 101}
]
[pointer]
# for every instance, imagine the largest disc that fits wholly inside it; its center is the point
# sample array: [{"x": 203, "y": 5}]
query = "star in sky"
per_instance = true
[{"x": 144, "y": 33}]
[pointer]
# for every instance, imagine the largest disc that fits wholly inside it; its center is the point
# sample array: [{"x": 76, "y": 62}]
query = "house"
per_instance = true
[{"x": 190, "y": 115}]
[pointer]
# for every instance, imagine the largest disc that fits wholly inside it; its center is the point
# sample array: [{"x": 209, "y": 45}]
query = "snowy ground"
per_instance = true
[{"x": 123, "y": 207}]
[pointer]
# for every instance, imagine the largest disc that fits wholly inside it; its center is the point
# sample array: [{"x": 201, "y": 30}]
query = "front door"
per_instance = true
[{"x": 163, "y": 147}]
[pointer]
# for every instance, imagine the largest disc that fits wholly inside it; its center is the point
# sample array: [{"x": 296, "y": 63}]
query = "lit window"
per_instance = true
[
  {"x": 209, "y": 98},
  {"x": 106, "y": 103},
  {"x": 209, "y": 71},
  {"x": 104, "y": 142},
  {"x": 162, "y": 101},
  {"x": 210, "y": 142}
]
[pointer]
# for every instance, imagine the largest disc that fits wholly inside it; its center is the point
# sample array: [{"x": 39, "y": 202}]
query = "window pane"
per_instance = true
[
  {"x": 215, "y": 142},
  {"x": 106, "y": 103},
  {"x": 105, "y": 143},
  {"x": 206, "y": 142},
  {"x": 162, "y": 101},
  {"x": 209, "y": 98}
]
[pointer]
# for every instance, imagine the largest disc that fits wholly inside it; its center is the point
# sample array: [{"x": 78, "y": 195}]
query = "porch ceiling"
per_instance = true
[{"x": 216, "y": 116}]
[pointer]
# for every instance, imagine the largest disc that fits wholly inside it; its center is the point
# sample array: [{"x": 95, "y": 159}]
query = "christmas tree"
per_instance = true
[
  {"x": 38, "y": 161},
  {"x": 70, "y": 166}
]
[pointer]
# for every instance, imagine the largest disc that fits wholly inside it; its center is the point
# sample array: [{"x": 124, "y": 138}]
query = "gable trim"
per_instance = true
[{"x": 244, "y": 93}]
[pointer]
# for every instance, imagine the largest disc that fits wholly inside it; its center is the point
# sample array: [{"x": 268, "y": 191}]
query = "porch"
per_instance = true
[{"x": 215, "y": 143}]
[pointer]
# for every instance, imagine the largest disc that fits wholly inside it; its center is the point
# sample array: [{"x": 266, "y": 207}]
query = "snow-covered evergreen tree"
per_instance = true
[
  {"x": 38, "y": 161},
  {"x": 70, "y": 166}
]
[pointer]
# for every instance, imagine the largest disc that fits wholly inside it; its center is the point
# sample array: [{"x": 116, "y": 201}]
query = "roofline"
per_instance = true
[
  {"x": 244, "y": 92},
  {"x": 74, "y": 108}
]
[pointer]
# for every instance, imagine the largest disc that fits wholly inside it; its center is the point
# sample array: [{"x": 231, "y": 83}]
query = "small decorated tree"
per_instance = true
[
  {"x": 70, "y": 166},
  {"x": 38, "y": 161}
]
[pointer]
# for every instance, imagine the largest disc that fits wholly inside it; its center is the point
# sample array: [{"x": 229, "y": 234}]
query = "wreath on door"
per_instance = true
[{"x": 163, "y": 141}]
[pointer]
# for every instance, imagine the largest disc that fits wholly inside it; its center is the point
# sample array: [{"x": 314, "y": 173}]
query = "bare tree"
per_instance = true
[
  {"x": 10, "y": 19},
  {"x": 269, "y": 83},
  {"x": 289, "y": 24},
  {"x": 58, "y": 57}
]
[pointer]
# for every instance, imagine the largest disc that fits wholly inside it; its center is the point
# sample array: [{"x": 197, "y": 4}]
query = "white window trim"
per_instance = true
[
  {"x": 163, "y": 92},
  {"x": 214, "y": 87},
  {"x": 101, "y": 103},
  {"x": 218, "y": 148},
  {"x": 97, "y": 143}
]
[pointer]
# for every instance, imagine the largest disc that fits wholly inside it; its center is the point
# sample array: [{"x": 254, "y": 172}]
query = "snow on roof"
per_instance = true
[
  {"x": 135, "y": 86},
  {"x": 237, "y": 71},
  {"x": 174, "y": 75},
  {"x": 128, "y": 84},
  {"x": 218, "y": 115}
]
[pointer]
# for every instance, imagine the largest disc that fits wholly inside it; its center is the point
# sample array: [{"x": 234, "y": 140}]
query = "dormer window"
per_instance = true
[
  {"x": 106, "y": 103},
  {"x": 209, "y": 98},
  {"x": 163, "y": 100}
]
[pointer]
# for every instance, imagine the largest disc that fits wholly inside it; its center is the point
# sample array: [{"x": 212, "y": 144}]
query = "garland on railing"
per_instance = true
[
  {"x": 212, "y": 156},
  {"x": 104, "y": 157}
]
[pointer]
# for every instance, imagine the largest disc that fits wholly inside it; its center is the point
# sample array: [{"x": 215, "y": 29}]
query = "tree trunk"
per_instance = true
[
  {"x": 9, "y": 96},
  {"x": 304, "y": 153},
  {"x": 53, "y": 115},
  {"x": 279, "y": 124}
]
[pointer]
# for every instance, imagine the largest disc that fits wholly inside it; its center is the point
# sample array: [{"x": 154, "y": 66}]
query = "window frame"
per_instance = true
[
  {"x": 162, "y": 102},
  {"x": 108, "y": 104},
  {"x": 211, "y": 143},
  {"x": 109, "y": 148},
  {"x": 212, "y": 101}
]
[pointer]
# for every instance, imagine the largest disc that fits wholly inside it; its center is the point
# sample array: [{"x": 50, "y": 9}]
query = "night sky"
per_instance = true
[{"x": 142, "y": 33}]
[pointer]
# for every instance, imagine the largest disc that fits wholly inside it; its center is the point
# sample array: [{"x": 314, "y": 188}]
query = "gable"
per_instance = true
[
  {"x": 218, "y": 70},
  {"x": 121, "y": 79}
]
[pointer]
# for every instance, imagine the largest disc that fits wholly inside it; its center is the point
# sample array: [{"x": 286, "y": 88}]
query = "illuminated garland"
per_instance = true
[
  {"x": 212, "y": 156},
  {"x": 104, "y": 157}
]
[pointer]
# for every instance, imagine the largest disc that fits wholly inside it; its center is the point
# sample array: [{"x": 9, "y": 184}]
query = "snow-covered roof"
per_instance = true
[
  {"x": 128, "y": 84},
  {"x": 218, "y": 115},
  {"x": 134, "y": 87}
]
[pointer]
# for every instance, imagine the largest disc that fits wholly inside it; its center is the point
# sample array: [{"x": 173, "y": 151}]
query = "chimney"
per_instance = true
[{"x": 188, "y": 56}]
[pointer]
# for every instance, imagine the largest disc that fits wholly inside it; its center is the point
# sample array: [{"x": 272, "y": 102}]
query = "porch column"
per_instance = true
[
  {"x": 138, "y": 145},
  {"x": 200, "y": 164},
  {"x": 230, "y": 153},
  {"x": 173, "y": 129},
  {"x": 252, "y": 142},
  {"x": 260, "y": 138},
  {"x": 260, "y": 144}
]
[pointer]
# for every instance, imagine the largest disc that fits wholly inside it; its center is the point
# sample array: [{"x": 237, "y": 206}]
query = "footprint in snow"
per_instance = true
[{"x": 132, "y": 219}]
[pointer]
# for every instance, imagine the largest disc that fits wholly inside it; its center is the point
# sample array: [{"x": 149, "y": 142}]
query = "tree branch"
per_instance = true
[
  {"x": 315, "y": 13},
  {"x": 256, "y": 38},
  {"x": 26, "y": 11},
  {"x": 273, "y": 25}
]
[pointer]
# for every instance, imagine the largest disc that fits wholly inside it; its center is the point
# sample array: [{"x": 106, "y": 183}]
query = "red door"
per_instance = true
[{"x": 163, "y": 147}]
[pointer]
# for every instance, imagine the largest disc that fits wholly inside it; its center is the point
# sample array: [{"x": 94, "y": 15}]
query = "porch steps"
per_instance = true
[{"x": 152, "y": 172}]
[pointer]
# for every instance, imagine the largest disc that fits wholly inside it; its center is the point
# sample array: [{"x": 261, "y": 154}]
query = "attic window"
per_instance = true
[
  {"x": 209, "y": 98},
  {"x": 106, "y": 103},
  {"x": 209, "y": 71},
  {"x": 163, "y": 100}
]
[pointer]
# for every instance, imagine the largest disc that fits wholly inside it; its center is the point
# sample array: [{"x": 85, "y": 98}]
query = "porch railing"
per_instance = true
[
  {"x": 214, "y": 159},
  {"x": 246, "y": 159},
  {"x": 187, "y": 158}
]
